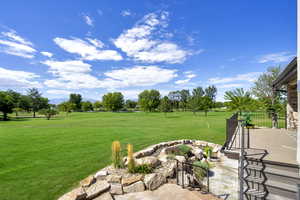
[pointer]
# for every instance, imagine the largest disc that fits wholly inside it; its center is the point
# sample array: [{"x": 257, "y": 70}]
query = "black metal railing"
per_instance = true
[
  {"x": 231, "y": 131},
  {"x": 186, "y": 176}
]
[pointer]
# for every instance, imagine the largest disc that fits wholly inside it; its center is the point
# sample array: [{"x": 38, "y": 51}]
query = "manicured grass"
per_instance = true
[{"x": 43, "y": 159}]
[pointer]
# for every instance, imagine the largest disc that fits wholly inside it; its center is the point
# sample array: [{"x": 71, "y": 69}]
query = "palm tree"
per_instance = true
[{"x": 239, "y": 100}]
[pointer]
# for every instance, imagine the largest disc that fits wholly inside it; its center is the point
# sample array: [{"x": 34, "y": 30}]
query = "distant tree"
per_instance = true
[
  {"x": 48, "y": 112},
  {"x": 76, "y": 99},
  {"x": 25, "y": 103},
  {"x": 6, "y": 104},
  {"x": 37, "y": 101},
  {"x": 130, "y": 104},
  {"x": 16, "y": 99},
  {"x": 219, "y": 104},
  {"x": 113, "y": 101},
  {"x": 98, "y": 105},
  {"x": 198, "y": 92},
  {"x": 206, "y": 103},
  {"x": 165, "y": 105},
  {"x": 211, "y": 92},
  {"x": 238, "y": 100},
  {"x": 184, "y": 97},
  {"x": 175, "y": 97},
  {"x": 149, "y": 100},
  {"x": 87, "y": 106},
  {"x": 194, "y": 103},
  {"x": 66, "y": 107}
]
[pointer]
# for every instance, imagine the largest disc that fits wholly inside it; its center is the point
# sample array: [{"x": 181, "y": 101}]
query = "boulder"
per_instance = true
[
  {"x": 105, "y": 196},
  {"x": 198, "y": 153},
  {"x": 116, "y": 188},
  {"x": 76, "y": 194},
  {"x": 150, "y": 160},
  {"x": 114, "y": 178},
  {"x": 87, "y": 181},
  {"x": 131, "y": 178},
  {"x": 180, "y": 158},
  {"x": 135, "y": 187},
  {"x": 154, "y": 180},
  {"x": 96, "y": 189},
  {"x": 101, "y": 174}
]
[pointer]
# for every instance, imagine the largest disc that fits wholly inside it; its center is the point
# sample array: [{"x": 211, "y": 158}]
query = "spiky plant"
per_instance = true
[
  {"x": 131, "y": 163},
  {"x": 116, "y": 154}
]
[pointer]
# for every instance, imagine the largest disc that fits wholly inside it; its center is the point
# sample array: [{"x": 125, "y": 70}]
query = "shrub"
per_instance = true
[
  {"x": 116, "y": 154},
  {"x": 201, "y": 169},
  {"x": 143, "y": 169},
  {"x": 208, "y": 151},
  {"x": 131, "y": 162},
  {"x": 184, "y": 150}
]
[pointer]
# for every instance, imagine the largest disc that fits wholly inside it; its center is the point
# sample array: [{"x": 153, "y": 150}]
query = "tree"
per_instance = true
[
  {"x": 199, "y": 92},
  {"x": 263, "y": 90},
  {"x": 149, "y": 100},
  {"x": 206, "y": 103},
  {"x": 98, "y": 105},
  {"x": 25, "y": 103},
  {"x": 130, "y": 104},
  {"x": 87, "y": 106},
  {"x": 174, "y": 97},
  {"x": 194, "y": 103},
  {"x": 48, "y": 112},
  {"x": 113, "y": 101},
  {"x": 66, "y": 107},
  {"x": 6, "y": 104},
  {"x": 16, "y": 99},
  {"x": 37, "y": 101},
  {"x": 211, "y": 92},
  {"x": 238, "y": 100},
  {"x": 76, "y": 99},
  {"x": 165, "y": 105},
  {"x": 184, "y": 97}
]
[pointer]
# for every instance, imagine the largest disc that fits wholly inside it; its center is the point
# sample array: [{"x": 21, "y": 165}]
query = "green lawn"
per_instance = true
[{"x": 43, "y": 159}]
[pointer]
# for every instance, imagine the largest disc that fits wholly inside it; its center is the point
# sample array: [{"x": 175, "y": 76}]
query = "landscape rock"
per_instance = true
[
  {"x": 154, "y": 180},
  {"x": 180, "y": 158},
  {"x": 116, "y": 188},
  {"x": 96, "y": 189},
  {"x": 135, "y": 187},
  {"x": 101, "y": 174},
  {"x": 105, "y": 196},
  {"x": 114, "y": 178},
  {"x": 76, "y": 194},
  {"x": 150, "y": 160},
  {"x": 131, "y": 178},
  {"x": 198, "y": 153},
  {"x": 88, "y": 181}
]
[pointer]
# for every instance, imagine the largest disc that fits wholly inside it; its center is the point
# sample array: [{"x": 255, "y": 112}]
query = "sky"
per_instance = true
[{"x": 94, "y": 47}]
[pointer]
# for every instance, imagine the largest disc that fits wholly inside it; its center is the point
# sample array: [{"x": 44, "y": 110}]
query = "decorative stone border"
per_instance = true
[{"x": 109, "y": 181}]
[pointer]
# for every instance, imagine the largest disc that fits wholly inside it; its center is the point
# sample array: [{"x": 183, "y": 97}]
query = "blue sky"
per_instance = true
[{"x": 95, "y": 47}]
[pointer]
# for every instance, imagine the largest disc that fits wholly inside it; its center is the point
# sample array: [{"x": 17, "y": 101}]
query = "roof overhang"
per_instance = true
[{"x": 288, "y": 75}]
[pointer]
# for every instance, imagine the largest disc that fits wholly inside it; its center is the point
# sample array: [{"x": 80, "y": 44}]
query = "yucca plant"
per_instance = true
[
  {"x": 208, "y": 151},
  {"x": 116, "y": 154},
  {"x": 131, "y": 162}
]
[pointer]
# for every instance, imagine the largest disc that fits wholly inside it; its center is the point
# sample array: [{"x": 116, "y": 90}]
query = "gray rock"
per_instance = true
[
  {"x": 101, "y": 174},
  {"x": 154, "y": 180},
  {"x": 105, "y": 196},
  {"x": 198, "y": 153},
  {"x": 131, "y": 178},
  {"x": 116, "y": 188},
  {"x": 113, "y": 178},
  {"x": 180, "y": 158},
  {"x": 135, "y": 187},
  {"x": 87, "y": 181},
  {"x": 76, "y": 194},
  {"x": 150, "y": 160},
  {"x": 96, "y": 189}
]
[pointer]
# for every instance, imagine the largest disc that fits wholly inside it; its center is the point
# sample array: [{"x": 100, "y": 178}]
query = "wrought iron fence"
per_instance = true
[{"x": 264, "y": 119}]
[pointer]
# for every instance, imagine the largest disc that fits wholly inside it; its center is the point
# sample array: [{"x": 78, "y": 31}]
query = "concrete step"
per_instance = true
[
  {"x": 255, "y": 179},
  {"x": 281, "y": 189},
  {"x": 256, "y": 193},
  {"x": 277, "y": 197},
  {"x": 282, "y": 176}
]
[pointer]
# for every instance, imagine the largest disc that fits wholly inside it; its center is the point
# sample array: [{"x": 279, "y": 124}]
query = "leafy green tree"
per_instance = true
[
  {"x": 76, "y": 99},
  {"x": 211, "y": 92},
  {"x": 37, "y": 101},
  {"x": 149, "y": 100},
  {"x": 16, "y": 99},
  {"x": 98, "y": 105},
  {"x": 174, "y": 97},
  {"x": 113, "y": 101},
  {"x": 206, "y": 103},
  {"x": 130, "y": 104},
  {"x": 6, "y": 104},
  {"x": 198, "y": 92},
  {"x": 25, "y": 103},
  {"x": 87, "y": 106},
  {"x": 238, "y": 100},
  {"x": 184, "y": 97},
  {"x": 48, "y": 112},
  {"x": 165, "y": 105},
  {"x": 194, "y": 103},
  {"x": 66, "y": 107}
]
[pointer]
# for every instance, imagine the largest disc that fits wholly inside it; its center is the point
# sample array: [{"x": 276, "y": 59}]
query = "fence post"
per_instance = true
[
  {"x": 177, "y": 172},
  {"x": 242, "y": 162},
  {"x": 207, "y": 173},
  {"x": 298, "y": 192}
]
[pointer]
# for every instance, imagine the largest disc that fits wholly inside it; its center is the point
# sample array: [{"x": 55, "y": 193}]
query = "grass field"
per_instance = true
[{"x": 41, "y": 159}]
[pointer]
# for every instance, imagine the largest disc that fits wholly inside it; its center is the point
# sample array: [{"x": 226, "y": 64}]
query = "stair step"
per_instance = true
[
  {"x": 255, "y": 179},
  {"x": 277, "y": 197},
  {"x": 281, "y": 186},
  {"x": 255, "y": 167},
  {"x": 280, "y": 172},
  {"x": 256, "y": 193}
]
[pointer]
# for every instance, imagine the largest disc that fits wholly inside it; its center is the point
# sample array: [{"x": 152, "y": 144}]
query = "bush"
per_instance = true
[
  {"x": 142, "y": 169},
  {"x": 208, "y": 151},
  {"x": 201, "y": 169},
  {"x": 184, "y": 150}
]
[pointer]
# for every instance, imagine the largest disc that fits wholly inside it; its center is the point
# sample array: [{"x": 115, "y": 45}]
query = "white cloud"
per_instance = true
[
  {"x": 15, "y": 78},
  {"x": 249, "y": 77},
  {"x": 233, "y": 85},
  {"x": 13, "y": 44},
  {"x": 76, "y": 74},
  {"x": 189, "y": 75},
  {"x": 88, "y": 20},
  {"x": 48, "y": 54},
  {"x": 276, "y": 57},
  {"x": 125, "y": 13},
  {"x": 87, "y": 51},
  {"x": 60, "y": 92},
  {"x": 139, "y": 43}
]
